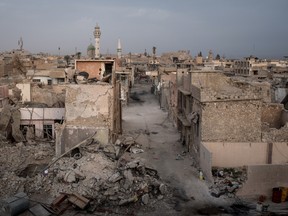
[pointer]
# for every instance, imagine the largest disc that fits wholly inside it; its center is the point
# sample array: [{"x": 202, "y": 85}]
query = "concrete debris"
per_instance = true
[
  {"x": 128, "y": 200},
  {"x": 134, "y": 164},
  {"x": 118, "y": 142},
  {"x": 145, "y": 199},
  {"x": 110, "y": 151},
  {"x": 117, "y": 151},
  {"x": 20, "y": 144},
  {"x": 70, "y": 177},
  {"x": 227, "y": 181},
  {"x": 136, "y": 150},
  {"x": 128, "y": 175},
  {"x": 163, "y": 189},
  {"x": 40, "y": 155},
  {"x": 97, "y": 175},
  {"x": 115, "y": 177},
  {"x": 128, "y": 141}
]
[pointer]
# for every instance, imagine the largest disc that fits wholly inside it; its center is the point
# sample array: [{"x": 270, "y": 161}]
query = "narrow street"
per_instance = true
[{"x": 164, "y": 153}]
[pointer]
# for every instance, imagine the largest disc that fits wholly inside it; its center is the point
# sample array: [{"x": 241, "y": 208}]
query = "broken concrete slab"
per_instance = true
[
  {"x": 117, "y": 142},
  {"x": 128, "y": 141},
  {"x": 128, "y": 200},
  {"x": 135, "y": 150},
  {"x": 133, "y": 164},
  {"x": 128, "y": 175},
  {"x": 115, "y": 177},
  {"x": 163, "y": 188},
  {"x": 109, "y": 151},
  {"x": 145, "y": 199}
]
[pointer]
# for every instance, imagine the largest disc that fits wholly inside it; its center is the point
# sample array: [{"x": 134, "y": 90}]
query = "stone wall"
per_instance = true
[
  {"x": 234, "y": 121},
  {"x": 171, "y": 95},
  {"x": 47, "y": 95},
  {"x": 271, "y": 114},
  {"x": 275, "y": 135}
]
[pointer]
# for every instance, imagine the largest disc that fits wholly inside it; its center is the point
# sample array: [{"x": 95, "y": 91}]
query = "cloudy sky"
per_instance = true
[{"x": 235, "y": 28}]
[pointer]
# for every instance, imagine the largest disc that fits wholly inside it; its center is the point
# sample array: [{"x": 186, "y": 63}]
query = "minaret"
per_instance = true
[
  {"x": 97, "y": 34},
  {"x": 119, "y": 50}
]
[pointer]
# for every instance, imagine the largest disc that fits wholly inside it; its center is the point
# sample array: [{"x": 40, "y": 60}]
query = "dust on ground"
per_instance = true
[{"x": 164, "y": 152}]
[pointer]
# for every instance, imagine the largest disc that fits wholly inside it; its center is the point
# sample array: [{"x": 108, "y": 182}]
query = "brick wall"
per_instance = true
[{"x": 237, "y": 121}]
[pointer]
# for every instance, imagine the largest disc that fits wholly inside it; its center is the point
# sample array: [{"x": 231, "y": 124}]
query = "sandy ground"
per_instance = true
[{"x": 161, "y": 153}]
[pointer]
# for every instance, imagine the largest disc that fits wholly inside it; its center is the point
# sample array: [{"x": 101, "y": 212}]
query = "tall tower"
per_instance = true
[
  {"x": 97, "y": 34},
  {"x": 119, "y": 49}
]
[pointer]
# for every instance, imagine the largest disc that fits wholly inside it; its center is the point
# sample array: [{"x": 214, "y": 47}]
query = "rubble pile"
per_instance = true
[
  {"x": 97, "y": 172},
  {"x": 227, "y": 181},
  {"x": 20, "y": 163},
  {"x": 99, "y": 177}
]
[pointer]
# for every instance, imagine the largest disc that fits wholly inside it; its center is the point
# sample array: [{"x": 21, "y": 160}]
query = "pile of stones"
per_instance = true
[{"x": 227, "y": 181}]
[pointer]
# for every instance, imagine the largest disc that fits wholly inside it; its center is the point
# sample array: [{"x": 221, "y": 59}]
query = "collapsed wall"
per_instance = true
[{"x": 88, "y": 111}]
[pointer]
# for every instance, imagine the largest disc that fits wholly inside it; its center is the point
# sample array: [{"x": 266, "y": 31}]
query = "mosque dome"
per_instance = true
[{"x": 91, "y": 47}]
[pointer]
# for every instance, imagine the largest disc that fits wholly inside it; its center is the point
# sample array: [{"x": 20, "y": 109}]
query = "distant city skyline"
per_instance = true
[{"x": 227, "y": 27}]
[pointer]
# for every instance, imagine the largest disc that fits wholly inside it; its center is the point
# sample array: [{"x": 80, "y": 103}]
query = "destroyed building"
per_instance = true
[
  {"x": 91, "y": 109},
  {"x": 226, "y": 122},
  {"x": 96, "y": 69}
]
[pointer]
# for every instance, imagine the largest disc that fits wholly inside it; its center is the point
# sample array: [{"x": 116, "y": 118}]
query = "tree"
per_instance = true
[
  {"x": 17, "y": 64},
  {"x": 200, "y": 54},
  {"x": 78, "y": 54},
  {"x": 67, "y": 59},
  {"x": 217, "y": 57}
]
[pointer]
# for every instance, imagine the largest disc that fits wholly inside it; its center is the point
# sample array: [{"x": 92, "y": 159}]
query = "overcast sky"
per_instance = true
[{"x": 235, "y": 28}]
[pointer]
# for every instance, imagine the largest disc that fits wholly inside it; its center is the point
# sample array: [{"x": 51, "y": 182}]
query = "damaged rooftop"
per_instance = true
[{"x": 142, "y": 134}]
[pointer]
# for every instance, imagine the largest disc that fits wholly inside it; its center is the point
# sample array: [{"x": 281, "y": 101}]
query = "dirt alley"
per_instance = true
[{"x": 144, "y": 114}]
